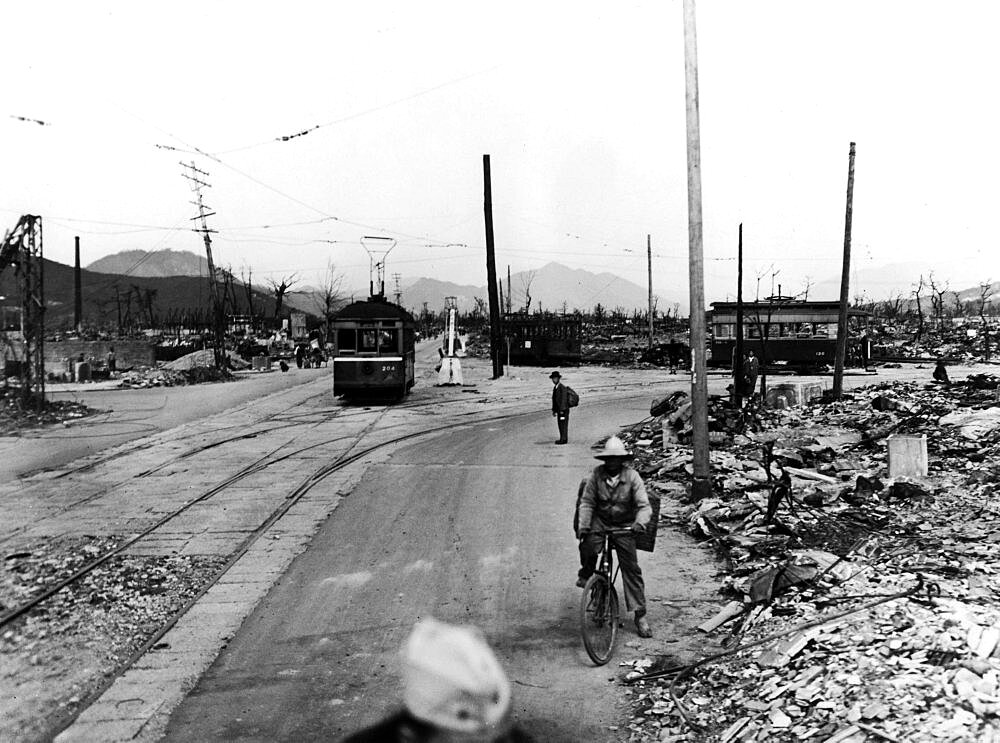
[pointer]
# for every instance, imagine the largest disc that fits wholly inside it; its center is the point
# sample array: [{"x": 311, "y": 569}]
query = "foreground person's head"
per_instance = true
[{"x": 454, "y": 683}]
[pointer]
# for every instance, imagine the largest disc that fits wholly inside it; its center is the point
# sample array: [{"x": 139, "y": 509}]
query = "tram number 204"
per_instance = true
[{"x": 388, "y": 368}]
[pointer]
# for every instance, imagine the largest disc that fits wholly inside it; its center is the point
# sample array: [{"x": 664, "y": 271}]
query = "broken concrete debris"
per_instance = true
[{"x": 866, "y": 609}]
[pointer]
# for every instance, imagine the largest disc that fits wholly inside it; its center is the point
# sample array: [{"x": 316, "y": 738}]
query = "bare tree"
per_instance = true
[
  {"x": 330, "y": 297},
  {"x": 937, "y": 298},
  {"x": 891, "y": 307},
  {"x": 920, "y": 310},
  {"x": 280, "y": 289},
  {"x": 958, "y": 310},
  {"x": 527, "y": 279},
  {"x": 148, "y": 299},
  {"x": 246, "y": 277},
  {"x": 479, "y": 310},
  {"x": 984, "y": 292}
]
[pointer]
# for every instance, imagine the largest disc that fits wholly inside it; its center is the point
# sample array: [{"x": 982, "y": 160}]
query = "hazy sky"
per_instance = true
[{"x": 580, "y": 106}]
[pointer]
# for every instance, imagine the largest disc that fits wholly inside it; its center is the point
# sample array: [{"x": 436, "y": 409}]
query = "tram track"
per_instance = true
[
  {"x": 73, "y": 600},
  {"x": 258, "y": 465},
  {"x": 255, "y": 467}
]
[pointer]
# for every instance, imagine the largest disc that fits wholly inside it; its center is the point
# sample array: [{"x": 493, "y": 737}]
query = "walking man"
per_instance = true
[
  {"x": 615, "y": 498},
  {"x": 560, "y": 406}
]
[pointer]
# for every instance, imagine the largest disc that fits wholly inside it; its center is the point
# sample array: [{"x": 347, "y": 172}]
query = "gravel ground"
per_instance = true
[{"x": 55, "y": 659}]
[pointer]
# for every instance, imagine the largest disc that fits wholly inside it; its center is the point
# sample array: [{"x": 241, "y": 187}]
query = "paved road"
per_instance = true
[
  {"x": 128, "y": 415},
  {"x": 470, "y": 527}
]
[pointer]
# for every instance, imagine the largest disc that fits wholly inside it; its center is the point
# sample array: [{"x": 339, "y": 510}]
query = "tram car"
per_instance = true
[
  {"x": 543, "y": 339},
  {"x": 373, "y": 351},
  {"x": 801, "y": 335}
]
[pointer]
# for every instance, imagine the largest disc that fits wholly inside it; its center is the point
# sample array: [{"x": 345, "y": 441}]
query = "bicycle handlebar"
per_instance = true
[{"x": 621, "y": 531}]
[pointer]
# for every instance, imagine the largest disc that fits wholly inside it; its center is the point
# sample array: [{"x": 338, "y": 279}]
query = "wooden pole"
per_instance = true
[
  {"x": 491, "y": 273},
  {"x": 509, "y": 295},
  {"x": 845, "y": 277},
  {"x": 77, "y": 290},
  {"x": 649, "y": 262},
  {"x": 701, "y": 484},
  {"x": 738, "y": 379}
]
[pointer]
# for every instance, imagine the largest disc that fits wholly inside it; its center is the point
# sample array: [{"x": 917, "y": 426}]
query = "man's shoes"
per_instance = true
[
  {"x": 561, "y": 441},
  {"x": 642, "y": 627},
  {"x": 581, "y": 582}
]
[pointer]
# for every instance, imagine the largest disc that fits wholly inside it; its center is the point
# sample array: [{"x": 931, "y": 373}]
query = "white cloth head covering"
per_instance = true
[
  {"x": 452, "y": 679},
  {"x": 613, "y": 447}
]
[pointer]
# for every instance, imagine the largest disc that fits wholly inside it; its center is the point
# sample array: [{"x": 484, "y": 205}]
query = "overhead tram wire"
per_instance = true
[{"x": 374, "y": 109}]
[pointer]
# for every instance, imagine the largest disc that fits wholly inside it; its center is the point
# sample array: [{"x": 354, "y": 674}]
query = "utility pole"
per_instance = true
[
  {"x": 398, "y": 294},
  {"x": 203, "y": 214},
  {"x": 491, "y": 272},
  {"x": 701, "y": 483},
  {"x": 649, "y": 263},
  {"x": 845, "y": 277},
  {"x": 77, "y": 290},
  {"x": 738, "y": 378},
  {"x": 509, "y": 295}
]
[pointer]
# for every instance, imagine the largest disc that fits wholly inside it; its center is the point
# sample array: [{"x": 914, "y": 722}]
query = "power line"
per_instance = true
[{"x": 309, "y": 129}]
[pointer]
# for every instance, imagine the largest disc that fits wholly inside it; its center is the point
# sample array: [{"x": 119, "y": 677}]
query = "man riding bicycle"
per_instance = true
[{"x": 615, "y": 497}]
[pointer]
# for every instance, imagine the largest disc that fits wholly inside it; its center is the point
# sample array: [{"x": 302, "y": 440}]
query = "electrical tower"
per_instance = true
[
  {"x": 22, "y": 248},
  {"x": 398, "y": 293},
  {"x": 218, "y": 319}
]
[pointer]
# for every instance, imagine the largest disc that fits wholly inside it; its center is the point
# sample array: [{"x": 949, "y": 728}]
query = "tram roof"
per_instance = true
[
  {"x": 374, "y": 308},
  {"x": 788, "y": 306}
]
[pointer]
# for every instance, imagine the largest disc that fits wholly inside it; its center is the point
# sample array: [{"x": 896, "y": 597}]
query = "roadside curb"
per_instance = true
[{"x": 138, "y": 705}]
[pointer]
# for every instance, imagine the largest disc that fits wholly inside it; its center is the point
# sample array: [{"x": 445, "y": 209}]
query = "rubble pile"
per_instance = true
[
  {"x": 165, "y": 377},
  {"x": 954, "y": 338},
  {"x": 856, "y": 606},
  {"x": 87, "y": 630},
  {"x": 14, "y": 416},
  {"x": 635, "y": 353},
  {"x": 205, "y": 359}
]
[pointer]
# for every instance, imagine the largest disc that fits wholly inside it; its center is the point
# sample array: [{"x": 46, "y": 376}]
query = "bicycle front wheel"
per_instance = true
[{"x": 599, "y": 618}]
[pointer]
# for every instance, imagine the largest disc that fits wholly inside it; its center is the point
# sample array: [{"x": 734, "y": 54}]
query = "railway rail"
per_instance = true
[{"x": 291, "y": 422}]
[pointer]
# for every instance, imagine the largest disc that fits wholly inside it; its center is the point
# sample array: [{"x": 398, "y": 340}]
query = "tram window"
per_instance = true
[
  {"x": 754, "y": 331},
  {"x": 388, "y": 340},
  {"x": 347, "y": 340},
  {"x": 804, "y": 329},
  {"x": 368, "y": 340}
]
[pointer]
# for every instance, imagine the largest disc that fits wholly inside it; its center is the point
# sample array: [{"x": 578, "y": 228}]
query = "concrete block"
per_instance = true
[
  {"x": 793, "y": 394},
  {"x": 907, "y": 455}
]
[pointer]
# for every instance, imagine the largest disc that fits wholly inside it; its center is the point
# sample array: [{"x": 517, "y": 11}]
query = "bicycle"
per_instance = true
[{"x": 599, "y": 607}]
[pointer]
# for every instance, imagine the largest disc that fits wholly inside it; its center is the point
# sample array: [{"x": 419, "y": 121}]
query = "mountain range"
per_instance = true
[{"x": 553, "y": 287}]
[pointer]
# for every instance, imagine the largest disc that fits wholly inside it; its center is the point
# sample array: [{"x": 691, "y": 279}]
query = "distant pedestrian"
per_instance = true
[
  {"x": 454, "y": 689},
  {"x": 751, "y": 368},
  {"x": 112, "y": 360},
  {"x": 300, "y": 355},
  {"x": 560, "y": 406},
  {"x": 940, "y": 373},
  {"x": 673, "y": 356}
]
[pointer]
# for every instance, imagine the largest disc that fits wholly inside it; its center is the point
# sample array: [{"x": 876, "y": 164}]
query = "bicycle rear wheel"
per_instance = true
[{"x": 599, "y": 618}]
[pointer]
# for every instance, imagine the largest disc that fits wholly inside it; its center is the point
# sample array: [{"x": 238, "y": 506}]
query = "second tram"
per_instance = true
[{"x": 797, "y": 333}]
